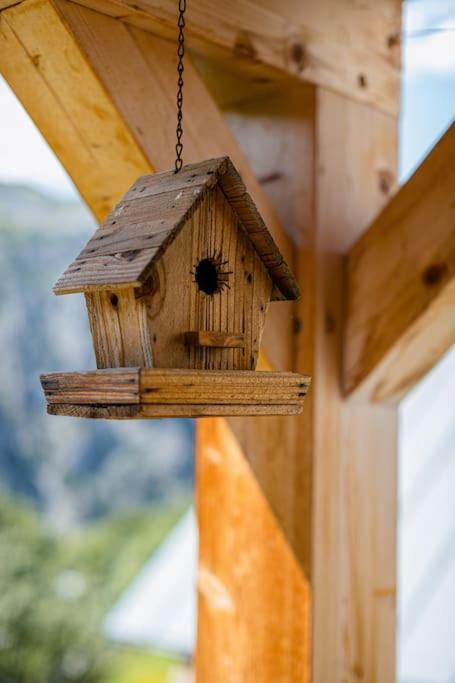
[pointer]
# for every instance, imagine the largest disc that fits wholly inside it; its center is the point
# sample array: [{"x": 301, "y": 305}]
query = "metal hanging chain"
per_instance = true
[{"x": 180, "y": 68}]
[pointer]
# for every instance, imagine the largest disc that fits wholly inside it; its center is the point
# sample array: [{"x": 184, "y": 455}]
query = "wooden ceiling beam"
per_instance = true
[
  {"x": 400, "y": 306},
  {"x": 346, "y": 46}
]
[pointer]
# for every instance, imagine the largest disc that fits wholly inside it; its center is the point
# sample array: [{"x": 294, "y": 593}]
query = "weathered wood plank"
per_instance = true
[
  {"x": 155, "y": 411},
  {"x": 186, "y": 393},
  {"x": 400, "y": 314},
  {"x": 114, "y": 386},
  {"x": 303, "y": 40}
]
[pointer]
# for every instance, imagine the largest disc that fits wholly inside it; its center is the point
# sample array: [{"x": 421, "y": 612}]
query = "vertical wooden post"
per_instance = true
[{"x": 329, "y": 477}]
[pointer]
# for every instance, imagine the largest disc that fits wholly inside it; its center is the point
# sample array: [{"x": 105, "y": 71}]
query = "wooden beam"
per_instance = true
[
  {"x": 103, "y": 95},
  {"x": 352, "y": 48},
  {"x": 401, "y": 283},
  {"x": 329, "y": 476},
  {"x": 253, "y": 603}
]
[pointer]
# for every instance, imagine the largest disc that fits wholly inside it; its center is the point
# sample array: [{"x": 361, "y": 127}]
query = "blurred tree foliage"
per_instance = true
[
  {"x": 55, "y": 591},
  {"x": 49, "y": 625}
]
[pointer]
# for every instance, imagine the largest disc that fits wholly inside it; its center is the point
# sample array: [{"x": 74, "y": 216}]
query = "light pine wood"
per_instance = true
[
  {"x": 55, "y": 76},
  {"x": 304, "y": 40},
  {"x": 324, "y": 161},
  {"x": 401, "y": 283},
  {"x": 248, "y": 606},
  {"x": 168, "y": 393},
  {"x": 222, "y": 340},
  {"x": 110, "y": 87},
  {"x": 355, "y": 445}
]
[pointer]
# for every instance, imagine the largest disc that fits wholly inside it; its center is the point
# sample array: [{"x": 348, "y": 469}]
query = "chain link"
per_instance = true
[{"x": 180, "y": 69}]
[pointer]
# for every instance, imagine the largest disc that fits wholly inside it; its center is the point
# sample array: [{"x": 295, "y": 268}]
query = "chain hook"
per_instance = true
[{"x": 180, "y": 69}]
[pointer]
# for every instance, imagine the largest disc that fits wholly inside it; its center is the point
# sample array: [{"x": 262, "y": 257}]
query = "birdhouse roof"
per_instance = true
[{"x": 139, "y": 229}]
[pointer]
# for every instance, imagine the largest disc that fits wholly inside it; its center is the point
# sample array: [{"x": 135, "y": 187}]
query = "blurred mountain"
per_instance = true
[{"x": 73, "y": 470}]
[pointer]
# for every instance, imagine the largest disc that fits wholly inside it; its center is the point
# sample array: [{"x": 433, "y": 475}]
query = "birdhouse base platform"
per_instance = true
[{"x": 146, "y": 393}]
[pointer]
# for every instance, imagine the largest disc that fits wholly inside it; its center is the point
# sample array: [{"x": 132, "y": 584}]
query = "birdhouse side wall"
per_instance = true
[
  {"x": 118, "y": 322},
  {"x": 178, "y": 305}
]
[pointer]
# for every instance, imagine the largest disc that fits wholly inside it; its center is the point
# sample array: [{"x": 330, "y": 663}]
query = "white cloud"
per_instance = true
[{"x": 431, "y": 52}]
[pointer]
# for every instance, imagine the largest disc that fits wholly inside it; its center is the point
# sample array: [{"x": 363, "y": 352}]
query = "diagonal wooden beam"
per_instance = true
[{"x": 400, "y": 309}]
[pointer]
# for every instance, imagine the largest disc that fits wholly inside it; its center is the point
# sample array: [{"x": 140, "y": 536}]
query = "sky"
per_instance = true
[{"x": 428, "y": 103}]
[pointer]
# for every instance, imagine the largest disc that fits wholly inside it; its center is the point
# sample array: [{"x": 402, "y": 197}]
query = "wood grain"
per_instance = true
[
  {"x": 322, "y": 160},
  {"x": 248, "y": 606},
  {"x": 120, "y": 330},
  {"x": 222, "y": 340},
  {"x": 355, "y": 444},
  {"x": 271, "y": 40},
  {"x": 114, "y": 386},
  {"x": 177, "y": 304},
  {"x": 168, "y": 393},
  {"x": 156, "y": 411},
  {"x": 400, "y": 316}
]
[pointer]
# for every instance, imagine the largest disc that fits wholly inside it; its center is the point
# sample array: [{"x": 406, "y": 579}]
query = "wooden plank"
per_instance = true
[
  {"x": 120, "y": 328},
  {"x": 302, "y": 40},
  {"x": 213, "y": 339},
  {"x": 110, "y": 87},
  {"x": 249, "y": 606},
  {"x": 202, "y": 387},
  {"x": 114, "y": 386},
  {"x": 401, "y": 283},
  {"x": 171, "y": 392},
  {"x": 155, "y": 411},
  {"x": 107, "y": 271},
  {"x": 355, "y": 445}
]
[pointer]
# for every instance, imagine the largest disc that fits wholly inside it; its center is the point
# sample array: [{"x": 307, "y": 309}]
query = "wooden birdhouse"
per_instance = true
[{"x": 180, "y": 276}]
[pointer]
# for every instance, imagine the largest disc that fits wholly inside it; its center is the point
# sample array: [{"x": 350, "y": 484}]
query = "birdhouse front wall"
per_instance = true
[
  {"x": 202, "y": 307},
  {"x": 211, "y": 280}
]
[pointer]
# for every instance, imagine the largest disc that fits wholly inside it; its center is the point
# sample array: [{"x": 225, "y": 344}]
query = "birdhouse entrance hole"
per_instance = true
[{"x": 207, "y": 276}]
